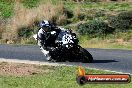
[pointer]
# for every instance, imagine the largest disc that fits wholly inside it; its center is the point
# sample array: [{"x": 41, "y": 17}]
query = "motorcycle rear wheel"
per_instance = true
[{"x": 86, "y": 57}]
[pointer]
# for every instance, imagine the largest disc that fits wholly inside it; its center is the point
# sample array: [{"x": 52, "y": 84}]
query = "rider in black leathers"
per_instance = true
[{"x": 47, "y": 34}]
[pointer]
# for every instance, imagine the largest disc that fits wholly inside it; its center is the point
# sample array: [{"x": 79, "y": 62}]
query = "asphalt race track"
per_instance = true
[{"x": 107, "y": 59}]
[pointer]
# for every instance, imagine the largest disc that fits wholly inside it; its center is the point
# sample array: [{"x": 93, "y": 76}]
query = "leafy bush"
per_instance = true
[
  {"x": 122, "y": 21},
  {"x": 81, "y": 16},
  {"x": 100, "y": 13},
  {"x": 25, "y": 32},
  {"x": 68, "y": 13},
  {"x": 94, "y": 28}
]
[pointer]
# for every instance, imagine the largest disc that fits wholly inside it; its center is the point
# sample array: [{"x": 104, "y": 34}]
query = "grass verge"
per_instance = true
[
  {"x": 33, "y": 10},
  {"x": 106, "y": 43},
  {"x": 61, "y": 76}
]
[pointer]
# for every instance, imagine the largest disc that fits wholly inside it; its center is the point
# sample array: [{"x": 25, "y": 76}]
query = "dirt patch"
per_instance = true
[{"x": 17, "y": 69}]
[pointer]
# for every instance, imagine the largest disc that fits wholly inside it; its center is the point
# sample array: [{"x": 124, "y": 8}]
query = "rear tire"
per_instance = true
[{"x": 86, "y": 57}]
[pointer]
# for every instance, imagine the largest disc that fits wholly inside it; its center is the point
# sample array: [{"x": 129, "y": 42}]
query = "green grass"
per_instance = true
[
  {"x": 112, "y": 6},
  {"x": 118, "y": 40},
  {"x": 61, "y": 77},
  {"x": 118, "y": 46},
  {"x": 6, "y": 9},
  {"x": 6, "y": 6},
  {"x": 105, "y": 45},
  {"x": 31, "y": 3}
]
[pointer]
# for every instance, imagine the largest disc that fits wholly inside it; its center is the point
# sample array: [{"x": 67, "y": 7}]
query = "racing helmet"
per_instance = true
[{"x": 45, "y": 25}]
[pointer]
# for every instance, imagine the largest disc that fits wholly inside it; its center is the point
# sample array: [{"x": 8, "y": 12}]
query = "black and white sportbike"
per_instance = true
[{"x": 66, "y": 48}]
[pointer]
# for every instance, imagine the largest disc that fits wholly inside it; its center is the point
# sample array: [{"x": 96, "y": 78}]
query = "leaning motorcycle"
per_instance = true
[{"x": 66, "y": 48}]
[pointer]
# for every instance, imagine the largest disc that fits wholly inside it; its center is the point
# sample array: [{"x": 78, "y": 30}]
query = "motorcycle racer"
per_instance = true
[
  {"x": 46, "y": 36},
  {"x": 60, "y": 44}
]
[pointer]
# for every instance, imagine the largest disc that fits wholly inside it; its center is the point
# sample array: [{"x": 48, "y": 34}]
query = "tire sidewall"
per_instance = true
[{"x": 86, "y": 56}]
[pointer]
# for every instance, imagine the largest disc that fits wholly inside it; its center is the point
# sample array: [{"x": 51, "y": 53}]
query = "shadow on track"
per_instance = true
[{"x": 104, "y": 61}]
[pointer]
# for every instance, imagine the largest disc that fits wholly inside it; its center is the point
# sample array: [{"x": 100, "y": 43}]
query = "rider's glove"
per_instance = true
[{"x": 53, "y": 32}]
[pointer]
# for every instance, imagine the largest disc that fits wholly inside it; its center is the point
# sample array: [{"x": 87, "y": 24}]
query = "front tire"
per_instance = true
[{"x": 86, "y": 57}]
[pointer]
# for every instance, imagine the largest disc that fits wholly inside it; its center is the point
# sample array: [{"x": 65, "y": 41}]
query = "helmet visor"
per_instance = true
[{"x": 46, "y": 28}]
